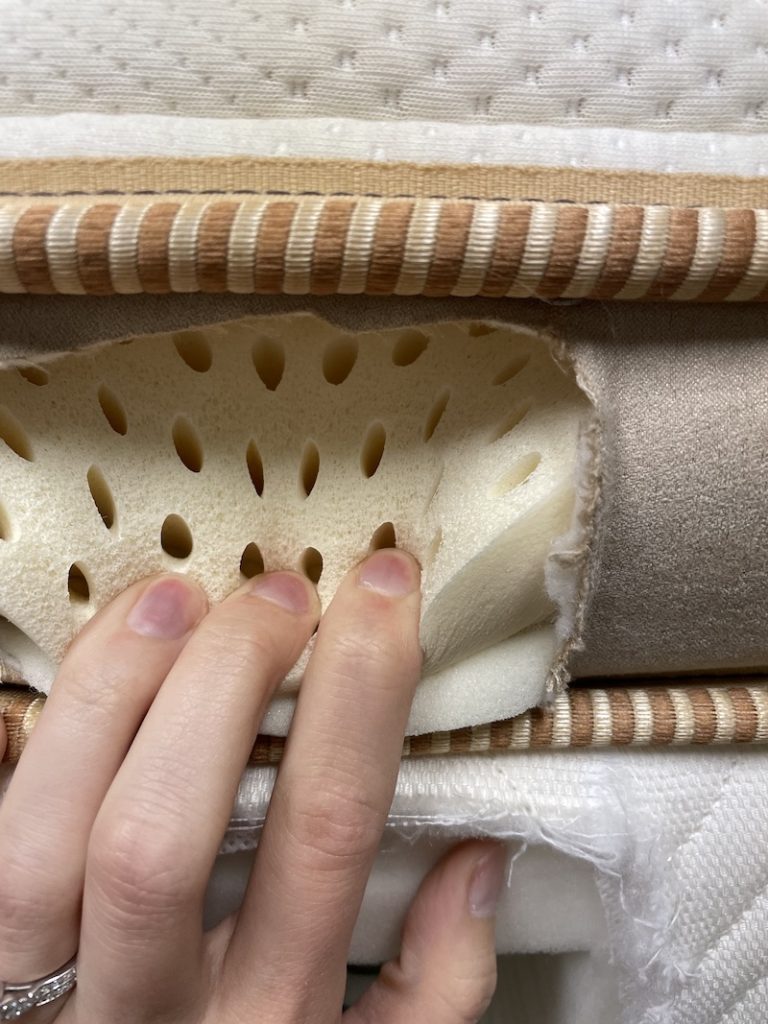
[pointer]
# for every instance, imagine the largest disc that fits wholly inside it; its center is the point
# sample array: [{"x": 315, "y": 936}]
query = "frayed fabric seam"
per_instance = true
[{"x": 569, "y": 569}]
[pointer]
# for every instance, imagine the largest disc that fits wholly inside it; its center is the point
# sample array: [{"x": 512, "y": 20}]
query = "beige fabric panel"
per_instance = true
[{"x": 679, "y": 576}]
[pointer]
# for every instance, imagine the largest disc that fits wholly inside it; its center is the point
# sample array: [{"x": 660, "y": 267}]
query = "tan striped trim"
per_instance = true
[
  {"x": 613, "y": 716},
  {"x": 350, "y": 245},
  {"x": 297, "y": 176}
]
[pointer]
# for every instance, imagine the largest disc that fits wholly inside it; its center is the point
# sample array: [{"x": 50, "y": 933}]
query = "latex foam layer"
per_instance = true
[{"x": 284, "y": 442}]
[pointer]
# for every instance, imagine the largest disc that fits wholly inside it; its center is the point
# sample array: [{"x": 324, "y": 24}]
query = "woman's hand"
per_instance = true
[{"x": 113, "y": 819}]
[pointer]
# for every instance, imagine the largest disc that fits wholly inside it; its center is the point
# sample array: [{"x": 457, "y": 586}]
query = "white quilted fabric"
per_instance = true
[
  {"x": 678, "y": 841},
  {"x": 695, "y": 65}
]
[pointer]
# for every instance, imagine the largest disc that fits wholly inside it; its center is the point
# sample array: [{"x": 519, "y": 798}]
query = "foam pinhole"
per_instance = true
[
  {"x": 339, "y": 359},
  {"x": 408, "y": 347},
  {"x": 269, "y": 361},
  {"x": 176, "y": 537},
  {"x": 195, "y": 349},
  {"x": 187, "y": 443},
  {"x": 434, "y": 546},
  {"x": 78, "y": 587},
  {"x": 102, "y": 496},
  {"x": 14, "y": 435},
  {"x": 113, "y": 409},
  {"x": 436, "y": 413},
  {"x": 373, "y": 449},
  {"x": 513, "y": 418},
  {"x": 252, "y": 562},
  {"x": 255, "y": 467},
  {"x": 6, "y": 529},
  {"x": 309, "y": 467},
  {"x": 512, "y": 368},
  {"x": 384, "y": 536},
  {"x": 479, "y": 329},
  {"x": 34, "y": 374},
  {"x": 312, "y": 564},
  {"x": 518, "y": 474}
]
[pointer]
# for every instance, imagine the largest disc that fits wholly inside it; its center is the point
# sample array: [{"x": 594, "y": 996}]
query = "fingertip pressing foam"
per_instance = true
[{"x": 285, "y": 442}]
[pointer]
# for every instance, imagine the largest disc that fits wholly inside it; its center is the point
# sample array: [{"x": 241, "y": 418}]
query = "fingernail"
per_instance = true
[
  {"x": 166, "y": 610},
  {"x": 486, "y": 882},
  {"x": 389, "y": 572},
  {"x": 281, "y": 588}
]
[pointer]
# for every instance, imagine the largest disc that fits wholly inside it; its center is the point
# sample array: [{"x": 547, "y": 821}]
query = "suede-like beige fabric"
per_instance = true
[{"x": 679, "y": 566}]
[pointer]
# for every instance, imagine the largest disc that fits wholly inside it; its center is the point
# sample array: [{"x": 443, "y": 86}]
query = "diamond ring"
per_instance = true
[{"x": 16, "y": 1000}]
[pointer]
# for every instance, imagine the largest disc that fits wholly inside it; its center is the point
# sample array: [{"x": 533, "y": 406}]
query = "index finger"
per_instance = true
[{"x": 333, "y": 792}]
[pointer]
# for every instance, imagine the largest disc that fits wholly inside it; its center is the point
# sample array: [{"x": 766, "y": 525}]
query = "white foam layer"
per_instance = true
[
  {"x": 578, "y": 145},
  {"x": 286, "y": 442}
]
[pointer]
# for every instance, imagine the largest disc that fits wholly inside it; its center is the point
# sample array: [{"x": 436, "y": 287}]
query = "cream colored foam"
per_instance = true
[{"x": 463, "y": 437}]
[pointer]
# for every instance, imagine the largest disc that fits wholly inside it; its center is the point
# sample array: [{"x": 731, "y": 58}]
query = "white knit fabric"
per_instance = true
[
  {"x": 698, "y": 65},
  {"x": 643, "y": 84}
]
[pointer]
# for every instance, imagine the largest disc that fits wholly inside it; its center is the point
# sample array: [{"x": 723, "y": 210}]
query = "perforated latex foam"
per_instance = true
[{"x": 284, "y": 442}]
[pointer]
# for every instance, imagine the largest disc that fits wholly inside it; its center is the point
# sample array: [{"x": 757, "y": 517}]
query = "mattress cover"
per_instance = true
[{"x": 668, "y": 87}]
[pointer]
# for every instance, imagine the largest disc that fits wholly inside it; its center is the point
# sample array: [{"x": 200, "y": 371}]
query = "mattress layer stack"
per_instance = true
[{"x": 506, "y": 216}]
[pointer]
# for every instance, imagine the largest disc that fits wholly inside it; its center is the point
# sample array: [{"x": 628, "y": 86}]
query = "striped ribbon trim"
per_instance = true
[
  {"x": 322, "y": 245},
  {"x": 640, "y": 716}
]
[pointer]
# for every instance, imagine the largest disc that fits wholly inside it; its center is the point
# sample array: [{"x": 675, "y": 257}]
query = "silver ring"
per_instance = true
[{"x": 17, "y": 1000}]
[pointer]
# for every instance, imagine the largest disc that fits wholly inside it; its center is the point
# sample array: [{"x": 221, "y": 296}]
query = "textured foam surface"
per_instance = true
[
  {"x": 284, "y": 442},
  {"x": 699, "y": 65}
]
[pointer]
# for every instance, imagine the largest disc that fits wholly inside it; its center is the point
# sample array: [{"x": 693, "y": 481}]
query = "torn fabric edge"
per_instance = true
[{"x": 568, "y": 572}]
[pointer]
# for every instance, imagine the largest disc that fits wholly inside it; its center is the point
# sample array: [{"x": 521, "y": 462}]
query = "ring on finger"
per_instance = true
[{"x": 19, "y": 998}]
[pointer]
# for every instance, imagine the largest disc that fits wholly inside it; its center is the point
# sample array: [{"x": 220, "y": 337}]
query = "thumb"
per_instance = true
[{"x": 446, "y": 971}]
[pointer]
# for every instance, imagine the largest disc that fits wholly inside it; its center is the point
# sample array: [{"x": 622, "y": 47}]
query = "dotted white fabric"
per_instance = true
[
  {"x": 129, "y": 135},
  {"x": 693, "y": 65}
]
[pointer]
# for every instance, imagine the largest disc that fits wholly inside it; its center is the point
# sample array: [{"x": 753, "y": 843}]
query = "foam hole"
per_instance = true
[
  {"x": 434, "y": 545},
  {"x": 195, "y": 349},
  {"x": 34, "y": 374},
  {"x": 511, "y": 420},
  {"x": 513, "y": 367},
  {"x": 269, "y": 360},
  {"x": 312, "y": 564},
  {"x": 255, "y": 467},
  {"x": 14, "y": 435},
  {"x": 176, "y": 537},
  {"x": 480, "y": 329},
  {"x": 434, "y": 488},
  {"x": 339, "y": 359},
  {"x": 309, "y": 468},
  {"x": 252, "y": 562},
  {"x": 409, "y": 347},
  {"x": 436, "y": 413},
  {"x": 6, "y": 530},
  {"x": 77, "y": 585},
  {"x": 373, "y": 449},
  {"x": 187, "y": 442},
  {"x": 518, "y": 474},
  {"x": 383, "y": 537},
  {"x": 102, "y": 496},
  {"x": 113, "y": 410}
]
